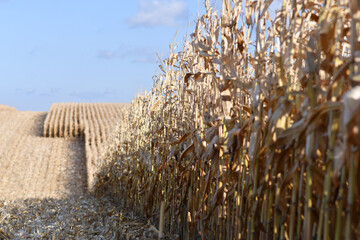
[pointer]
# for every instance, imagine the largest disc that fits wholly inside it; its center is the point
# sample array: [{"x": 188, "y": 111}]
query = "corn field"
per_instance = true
[
  {"x": 92, "y": 121},
  {"x": 251, "y": 131}
]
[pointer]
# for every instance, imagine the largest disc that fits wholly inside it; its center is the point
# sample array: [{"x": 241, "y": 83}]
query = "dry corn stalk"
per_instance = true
[{"x": 240, "y": 135}]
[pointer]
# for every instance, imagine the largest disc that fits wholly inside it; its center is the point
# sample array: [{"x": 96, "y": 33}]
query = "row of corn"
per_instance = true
[{"x": 251, "y": 131}]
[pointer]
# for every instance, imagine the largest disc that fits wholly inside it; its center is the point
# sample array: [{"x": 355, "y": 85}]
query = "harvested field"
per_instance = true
[
  {"x": 6, "y": 108},
  {"x": 70, "y": 119},
  {"x": 83, "y": 217},
  {"x": 93, "y": 121},
  {"x": 43, "y": 188},
  {"x": 34, "y": 166}
]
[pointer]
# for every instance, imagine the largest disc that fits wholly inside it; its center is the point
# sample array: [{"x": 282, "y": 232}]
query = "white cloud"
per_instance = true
[
  {"x": 107, "y": 54},
  {"x": 159, "y": 12},
  {"x": 25, "y": 91},
  {"x": 50, "y": 92},
  {"x": 131, "y": 53},
  {"x": 92, "y": 95},
  {"x": 88, "y": 94}
]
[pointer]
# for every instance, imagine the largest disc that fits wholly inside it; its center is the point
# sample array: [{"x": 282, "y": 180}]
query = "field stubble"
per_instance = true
[
  {"x": 33, "y": 166},
  {"x": 43, "y": 185},
  {"x": 93, "y": 122}
]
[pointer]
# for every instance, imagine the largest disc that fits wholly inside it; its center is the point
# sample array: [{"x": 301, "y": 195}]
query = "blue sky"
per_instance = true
[{"x": 84, "y": 50}]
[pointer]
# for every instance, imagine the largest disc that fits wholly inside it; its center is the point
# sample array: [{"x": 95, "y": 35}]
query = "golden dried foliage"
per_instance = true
[{"x": 251, "y": 131}]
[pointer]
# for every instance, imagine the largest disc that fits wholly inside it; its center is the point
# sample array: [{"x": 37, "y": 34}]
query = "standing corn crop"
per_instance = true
[{"x": 247, "y": 132}]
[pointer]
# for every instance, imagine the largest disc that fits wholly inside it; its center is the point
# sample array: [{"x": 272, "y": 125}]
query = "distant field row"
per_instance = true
[{"x": 93, "y": 121}]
